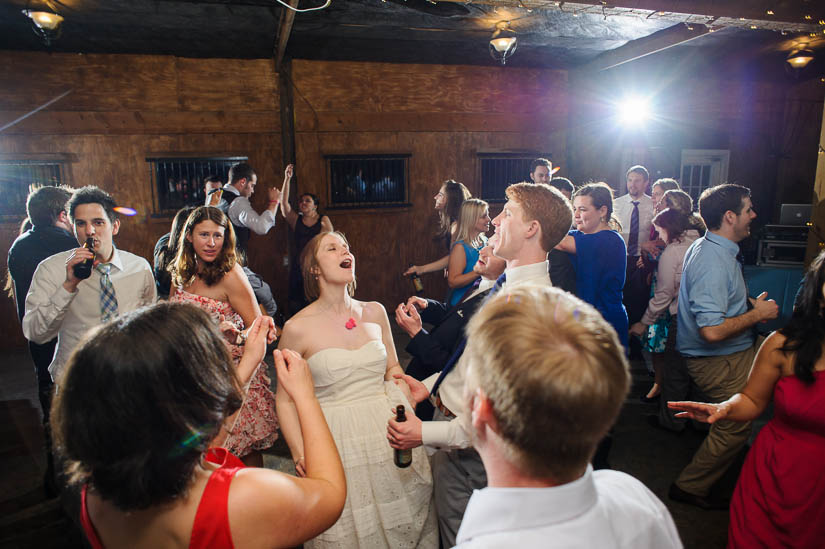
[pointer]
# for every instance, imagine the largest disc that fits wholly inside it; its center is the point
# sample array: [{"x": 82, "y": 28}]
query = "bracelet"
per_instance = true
[{"x": 274, "y": 201}]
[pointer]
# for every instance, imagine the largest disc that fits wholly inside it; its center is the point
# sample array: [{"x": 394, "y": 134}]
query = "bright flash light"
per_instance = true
[{"x": 634, "y": 109}]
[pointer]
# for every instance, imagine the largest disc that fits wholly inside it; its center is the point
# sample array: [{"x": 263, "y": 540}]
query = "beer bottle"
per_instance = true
[
  {"x": 417, "y": 284},
  {"x": 83, "y": 270},
  {"x": 402, "y": 458}
]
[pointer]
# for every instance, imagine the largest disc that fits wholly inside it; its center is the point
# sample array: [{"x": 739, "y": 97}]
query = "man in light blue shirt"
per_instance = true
[{"x": 714, "y": 332}]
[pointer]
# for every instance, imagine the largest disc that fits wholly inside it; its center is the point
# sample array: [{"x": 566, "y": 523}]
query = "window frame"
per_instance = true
[
  {"x": 527, "y": 155},
  {"x": 384, "y": 155}
]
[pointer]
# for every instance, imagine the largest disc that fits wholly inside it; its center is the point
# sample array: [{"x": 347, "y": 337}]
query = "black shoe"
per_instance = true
[
  {"x": 653, "y": 421},
  {"x": 677, "y": 494}
]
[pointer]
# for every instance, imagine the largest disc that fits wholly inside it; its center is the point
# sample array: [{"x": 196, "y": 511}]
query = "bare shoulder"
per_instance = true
[
  {"x": 774, "y": 342},
  {"x": 373, "y": 311},
  {"x": 260, "y": 497}
]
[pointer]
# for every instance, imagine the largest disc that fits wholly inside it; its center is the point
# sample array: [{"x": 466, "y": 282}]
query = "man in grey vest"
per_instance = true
[{"x": 235, "y": 204}]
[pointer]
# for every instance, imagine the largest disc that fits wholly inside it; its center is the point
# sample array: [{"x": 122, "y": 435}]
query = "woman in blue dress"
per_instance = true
[
  {"x": 473, "y": 223},
  {"x": 599, "y": 255}
]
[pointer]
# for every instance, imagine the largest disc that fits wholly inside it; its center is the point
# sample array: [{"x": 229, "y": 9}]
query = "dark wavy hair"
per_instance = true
[
  {"x": 133, "y": 425},
  {"x": 166, "y": 255},
  {"x": 805, "y": 331},
  {"x": 674, "y": 222},
  {"x": 185, "y": 267},
  {"x": 456, "y": 194}
]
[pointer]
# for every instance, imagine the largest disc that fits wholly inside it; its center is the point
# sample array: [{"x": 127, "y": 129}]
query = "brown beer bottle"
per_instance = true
[
  {"x": 402, "y": 458},
  {"x": 83, "y": 270},
  {"x": 417, "y": 284}
]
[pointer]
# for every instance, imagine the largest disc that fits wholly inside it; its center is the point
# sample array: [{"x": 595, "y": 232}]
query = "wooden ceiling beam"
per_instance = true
[
  {"x": 641, "y": 47},
  {"x": 784, "y": 11},
  {"x": 284, "y": 30}
]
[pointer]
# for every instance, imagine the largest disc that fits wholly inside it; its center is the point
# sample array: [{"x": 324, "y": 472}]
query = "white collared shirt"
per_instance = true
[
  {"x": 605, "y": 509},
  {"x": 623, "y": 209},
  {"x": 242, "y": 214},
  {"x": 52, "y": 311},
  {"x": 455, "y": 433}
]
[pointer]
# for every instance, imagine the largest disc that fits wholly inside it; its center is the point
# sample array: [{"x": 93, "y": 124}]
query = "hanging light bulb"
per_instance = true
[
  {"x": 45, "y": 24},
  {"x": 799, "y": 59},
  {"x": 503, "y": 43}
]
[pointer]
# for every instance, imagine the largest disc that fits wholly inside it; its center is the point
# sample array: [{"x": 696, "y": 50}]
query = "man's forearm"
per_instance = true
[{"x": 730, "y": 327}]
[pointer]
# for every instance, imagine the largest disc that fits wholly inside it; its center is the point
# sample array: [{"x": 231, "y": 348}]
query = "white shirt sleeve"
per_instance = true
[
  {"x": 46, "y": 304},
  {"x": 241, "y": 213}
]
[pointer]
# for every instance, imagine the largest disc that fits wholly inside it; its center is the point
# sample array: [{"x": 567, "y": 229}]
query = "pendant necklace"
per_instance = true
[{"x": 350, "y": 321}]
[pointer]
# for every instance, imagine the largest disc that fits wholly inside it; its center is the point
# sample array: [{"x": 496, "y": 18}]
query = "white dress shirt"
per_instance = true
[
  {"x": 242, "y": 213},
  {"x": 456, "y": 432},
  {"x": 52, "y": 311},
  {"x": 623, "y": 209},
  {"x": 605, "y": 509}
]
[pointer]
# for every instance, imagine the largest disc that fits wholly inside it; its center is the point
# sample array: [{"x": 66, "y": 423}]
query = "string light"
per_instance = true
[
  {"x": 808, "y": 18},
  {"x": 770, "y": 12}
]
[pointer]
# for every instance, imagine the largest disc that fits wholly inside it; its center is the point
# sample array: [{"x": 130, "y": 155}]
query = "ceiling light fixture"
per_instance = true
[
  {"x": 503, "y": 43},
  {"x": 45, "y": 24},
  {"x": 799, "y": 59}
]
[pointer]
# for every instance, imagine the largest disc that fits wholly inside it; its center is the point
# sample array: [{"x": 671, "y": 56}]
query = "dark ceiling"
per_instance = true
[{"x": 551, "y": 34}]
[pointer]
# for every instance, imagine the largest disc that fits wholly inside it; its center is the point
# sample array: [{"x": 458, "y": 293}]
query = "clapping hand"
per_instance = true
[{"x": 408, "y": 319}]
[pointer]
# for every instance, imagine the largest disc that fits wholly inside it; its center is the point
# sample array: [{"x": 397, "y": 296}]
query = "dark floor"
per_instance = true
[{"x": 29, "y": 520}]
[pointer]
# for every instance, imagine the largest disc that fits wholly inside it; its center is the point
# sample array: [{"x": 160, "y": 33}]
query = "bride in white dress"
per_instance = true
[{"x": 349, "y": 348}]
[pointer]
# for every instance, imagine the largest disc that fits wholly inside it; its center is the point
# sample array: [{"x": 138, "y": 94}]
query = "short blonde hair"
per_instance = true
[
  {"x": 471, "y": 210},
  {"x": 555, "y": 373},
  {"x": 309, "y": 266},
  {"x": 545, "y": 204}
]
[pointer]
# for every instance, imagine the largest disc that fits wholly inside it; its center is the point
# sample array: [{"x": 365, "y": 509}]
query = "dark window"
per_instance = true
[
  {"x": 16, "y": 176},
  {"x": 499, "y": 170},
  {"x": 367, "y": 180},
  {"x": 178, "y": 182}
]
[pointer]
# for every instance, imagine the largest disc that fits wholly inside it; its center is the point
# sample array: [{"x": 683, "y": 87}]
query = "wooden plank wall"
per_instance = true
[
  {"x": 443, "y": 116},
  {"x": 124, "y": 108}
]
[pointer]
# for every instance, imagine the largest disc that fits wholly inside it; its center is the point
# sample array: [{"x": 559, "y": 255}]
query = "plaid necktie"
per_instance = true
[
  {"x": 108, "y": 299},
  {"x": 453, "y": 360},
  {"x": 633, "y": 237}
]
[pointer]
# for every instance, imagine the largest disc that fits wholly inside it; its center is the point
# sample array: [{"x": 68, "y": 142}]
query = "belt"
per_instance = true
[{"x": 440, "y": 405}]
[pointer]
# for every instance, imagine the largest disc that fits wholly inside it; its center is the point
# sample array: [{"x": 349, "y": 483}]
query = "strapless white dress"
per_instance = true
[{"x": 386, "y": 506}]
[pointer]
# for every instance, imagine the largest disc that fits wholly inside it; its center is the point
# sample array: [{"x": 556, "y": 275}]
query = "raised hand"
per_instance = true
[
  {"x": 408, "y": 319},
  {"x": 418, "y": 302},
  {"x": 290, "y": 169},
  {"x": 767, "y": 309},
  {"x": 700, "y": 411},
  {"x": 293, "y": 374}
]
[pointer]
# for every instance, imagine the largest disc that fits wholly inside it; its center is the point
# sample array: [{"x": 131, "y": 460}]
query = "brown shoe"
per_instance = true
[{"x": 677, "y": 494}]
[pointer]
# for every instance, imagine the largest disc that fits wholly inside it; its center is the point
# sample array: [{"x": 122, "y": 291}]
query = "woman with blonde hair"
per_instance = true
[
  {"x": 681, "y": 201},
  {"x": 349, "y": 347},
  {"x": 470, "y": 237},
  {"x": 206, "y": 273}
]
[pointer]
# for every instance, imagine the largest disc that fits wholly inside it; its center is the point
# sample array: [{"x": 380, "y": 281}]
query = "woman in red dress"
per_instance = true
[{"x": 778, "y": 498}]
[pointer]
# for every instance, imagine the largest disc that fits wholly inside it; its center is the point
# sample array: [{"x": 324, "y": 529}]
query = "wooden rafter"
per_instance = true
[{"x": 284, "y": 30}]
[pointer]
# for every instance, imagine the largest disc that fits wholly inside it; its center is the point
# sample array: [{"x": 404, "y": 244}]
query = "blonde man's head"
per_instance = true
[
  {"x": 546, "y": 205},
  {"x": 554, "y": 373}
]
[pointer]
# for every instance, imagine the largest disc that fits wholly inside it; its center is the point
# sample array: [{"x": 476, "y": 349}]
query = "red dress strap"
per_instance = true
[
  {"x": 211, "y": 527},
  {"x": 86, "y": 522}
]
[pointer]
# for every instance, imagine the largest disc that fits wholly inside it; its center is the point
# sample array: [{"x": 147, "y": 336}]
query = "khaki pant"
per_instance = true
[{"x": 719, "y": 377}]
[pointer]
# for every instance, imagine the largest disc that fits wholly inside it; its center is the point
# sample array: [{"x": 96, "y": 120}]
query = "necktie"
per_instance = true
[
  {"x": 633, "y": 237},
  {"x": 453, "y": 360},
  {"x": 108, "y": 299}
]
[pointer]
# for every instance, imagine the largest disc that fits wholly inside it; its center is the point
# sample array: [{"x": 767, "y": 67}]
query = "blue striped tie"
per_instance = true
[
  {"x": 108, "y": 299},
  {"x": 633, "y": 237},
  {"x": 453, "y": 360}
]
